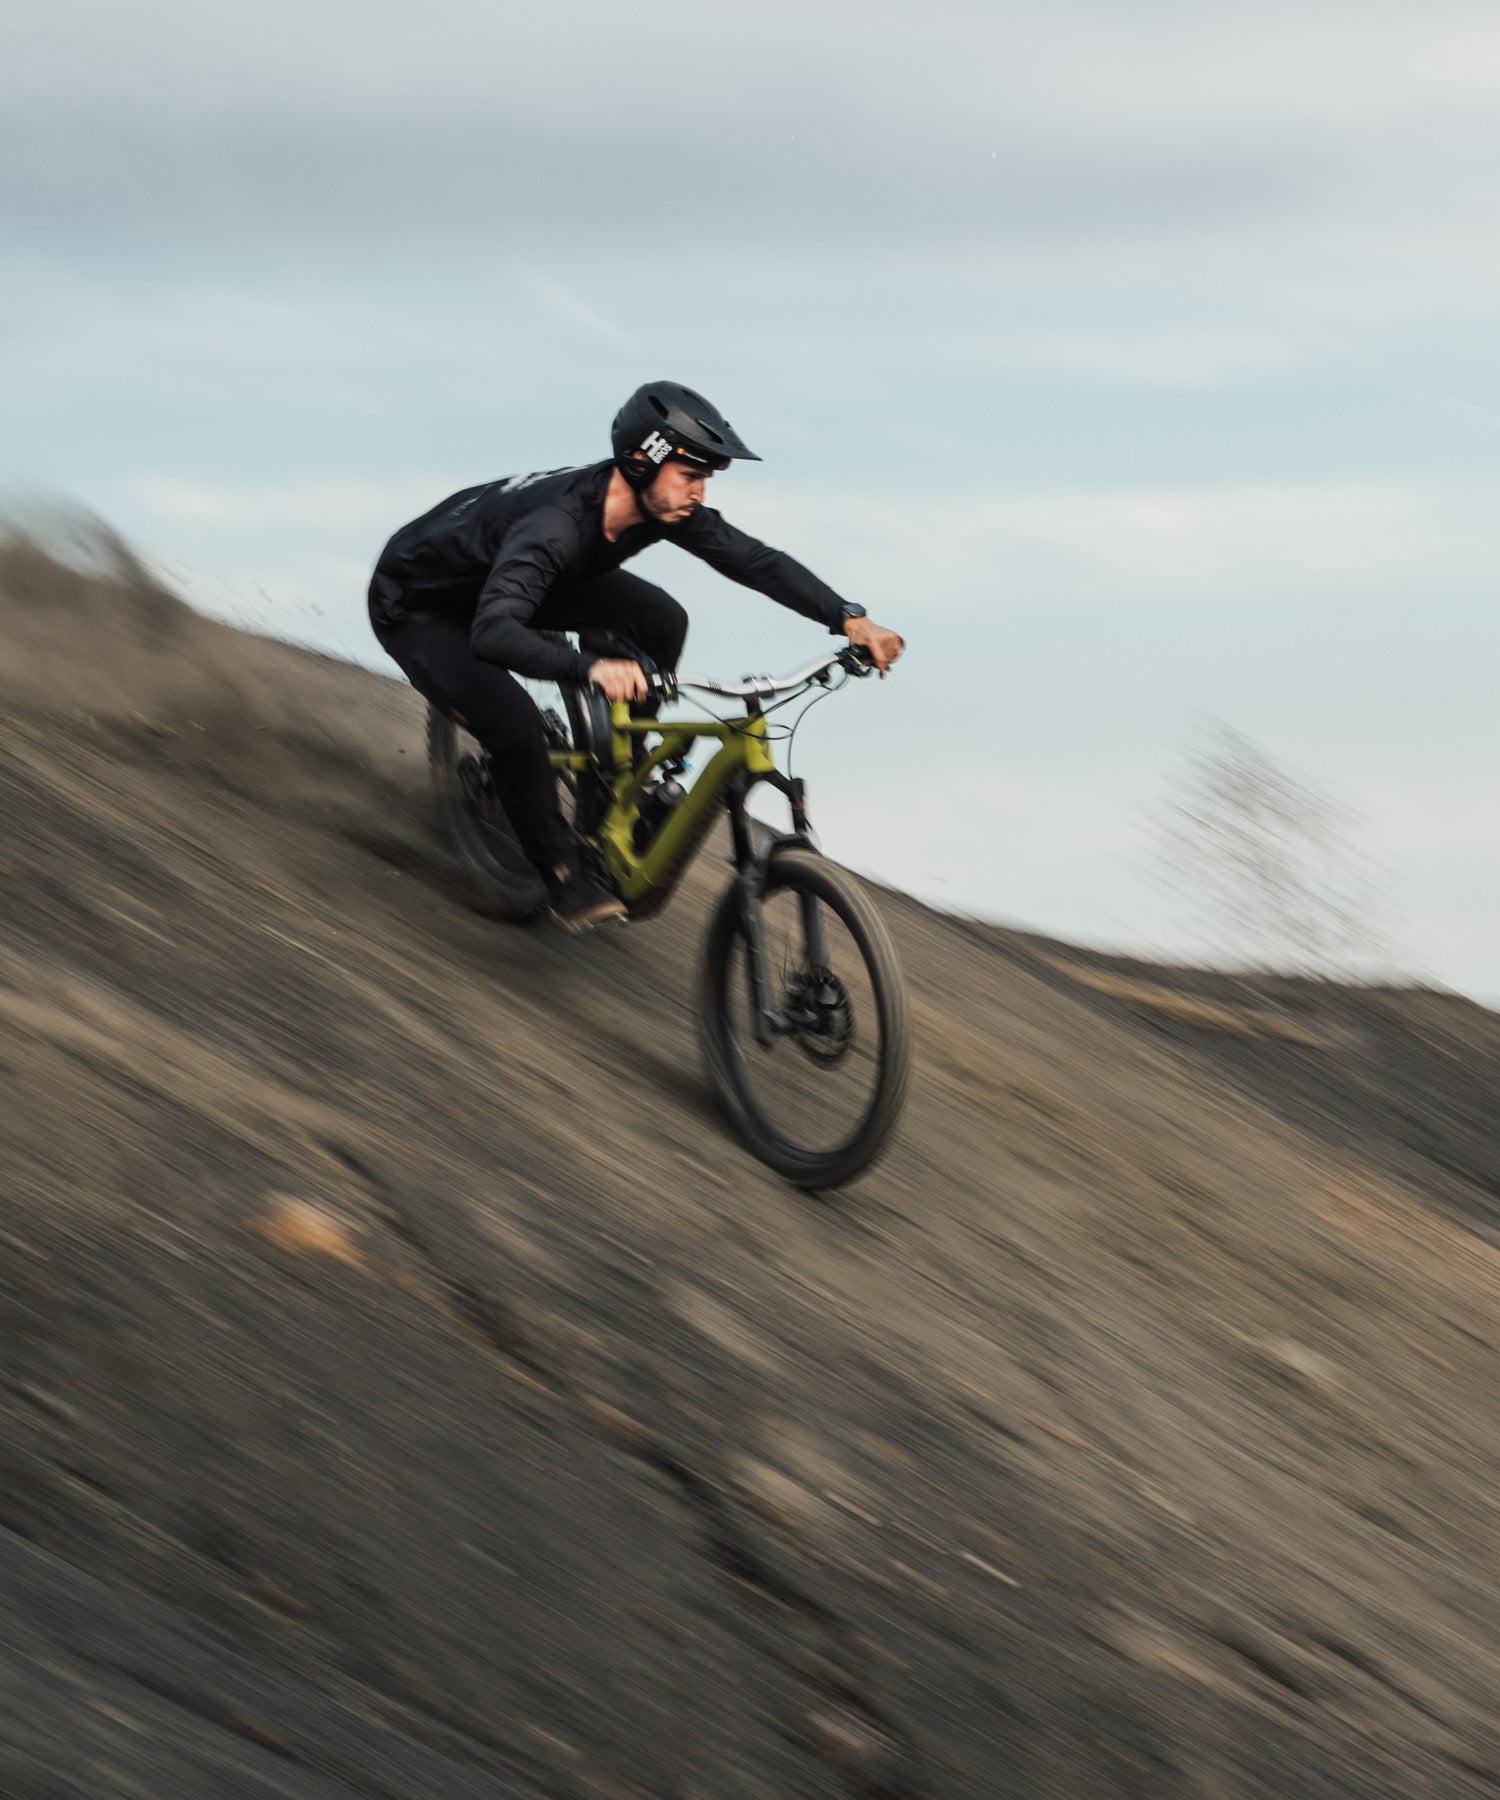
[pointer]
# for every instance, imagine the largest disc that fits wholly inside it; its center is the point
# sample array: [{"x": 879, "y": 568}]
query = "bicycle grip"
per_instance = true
[{"x": 862, "y": 655}]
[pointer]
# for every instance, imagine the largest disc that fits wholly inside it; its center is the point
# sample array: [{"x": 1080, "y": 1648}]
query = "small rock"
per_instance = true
[
  {"x": 618, "y": 1424},
  {"x": 859, "y": 1750},
  {"x": 304, "y": 1228}
]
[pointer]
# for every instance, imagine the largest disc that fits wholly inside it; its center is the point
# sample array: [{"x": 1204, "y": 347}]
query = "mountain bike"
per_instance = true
[{"x": 801, "y": 1006}]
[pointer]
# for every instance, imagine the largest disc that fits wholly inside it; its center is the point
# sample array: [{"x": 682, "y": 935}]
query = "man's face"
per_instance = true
[{"x": 677, "y": 489}]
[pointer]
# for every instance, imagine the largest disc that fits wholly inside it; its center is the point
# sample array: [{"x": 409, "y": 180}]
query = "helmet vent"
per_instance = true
[
  {"x": 709, "y": 432},
  {"x": 697, "y": 399},
  {"x": 656, "y": 406}
]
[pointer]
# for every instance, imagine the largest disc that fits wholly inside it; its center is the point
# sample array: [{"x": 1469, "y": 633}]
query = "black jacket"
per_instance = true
[{"x": 494, "y": 553}]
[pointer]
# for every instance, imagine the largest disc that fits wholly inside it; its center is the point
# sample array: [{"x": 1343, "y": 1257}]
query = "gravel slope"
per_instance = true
[{"x": 409, "y": 1391}]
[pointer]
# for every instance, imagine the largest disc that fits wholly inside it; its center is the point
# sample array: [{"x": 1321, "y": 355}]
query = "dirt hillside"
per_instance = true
[{"x": 409, "y": 1391}]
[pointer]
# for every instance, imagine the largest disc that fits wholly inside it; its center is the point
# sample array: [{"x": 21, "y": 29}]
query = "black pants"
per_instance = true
[{"x": 434, "y": 655}]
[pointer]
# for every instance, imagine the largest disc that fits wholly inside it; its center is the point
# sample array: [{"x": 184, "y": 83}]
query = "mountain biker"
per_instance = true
[{"x": 459, "y": 597}]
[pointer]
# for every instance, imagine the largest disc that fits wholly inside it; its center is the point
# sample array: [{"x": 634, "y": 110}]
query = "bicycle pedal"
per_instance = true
[{"x": 577, "y": 927}]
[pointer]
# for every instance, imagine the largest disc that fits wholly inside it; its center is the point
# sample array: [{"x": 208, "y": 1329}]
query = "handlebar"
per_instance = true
[{"x": 853, "y": 657}]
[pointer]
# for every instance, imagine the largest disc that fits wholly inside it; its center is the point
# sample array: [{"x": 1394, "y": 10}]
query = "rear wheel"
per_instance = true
[
  {"x": 817, "y": 1095},
  {"x": 502, "y": 883}
]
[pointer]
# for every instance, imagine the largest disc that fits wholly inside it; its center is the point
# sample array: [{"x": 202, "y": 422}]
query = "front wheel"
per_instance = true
[{"x": 812, "y": 1071}]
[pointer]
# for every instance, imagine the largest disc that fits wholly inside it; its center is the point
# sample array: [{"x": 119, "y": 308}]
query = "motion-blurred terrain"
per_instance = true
[{"x": 409, "y": 1391}]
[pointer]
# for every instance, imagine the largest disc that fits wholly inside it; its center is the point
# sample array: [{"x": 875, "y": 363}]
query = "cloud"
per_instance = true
[
  {"x": 1107, "y": 547},
  {"x": 1078, "y": 71},
  {"x": 1432, "y": 399},
  {"x": 332, "y": 506},
  {"x": 1191, "y": 356},
  {"x": 571, "y": 307},
  {"x": 1004, "y": 145},
  {"x": 70, "y": 325}
]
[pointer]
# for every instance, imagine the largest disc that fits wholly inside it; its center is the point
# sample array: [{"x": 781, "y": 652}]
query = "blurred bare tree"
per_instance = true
[{"x": 1268, "y": 863}]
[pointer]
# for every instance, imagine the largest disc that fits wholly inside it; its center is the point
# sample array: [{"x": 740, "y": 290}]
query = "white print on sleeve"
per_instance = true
[{"x": 517, "y": 482}]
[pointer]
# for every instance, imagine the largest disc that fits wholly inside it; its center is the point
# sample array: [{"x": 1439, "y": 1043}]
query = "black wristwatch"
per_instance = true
[{"x": 851, "y": 609}]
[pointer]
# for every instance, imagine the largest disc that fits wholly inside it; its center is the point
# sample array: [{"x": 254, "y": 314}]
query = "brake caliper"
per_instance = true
[{"x": 821, "y": 1015}]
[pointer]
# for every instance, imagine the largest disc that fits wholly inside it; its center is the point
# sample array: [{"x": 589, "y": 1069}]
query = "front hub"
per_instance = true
[{"x": 820, "y": 1015}]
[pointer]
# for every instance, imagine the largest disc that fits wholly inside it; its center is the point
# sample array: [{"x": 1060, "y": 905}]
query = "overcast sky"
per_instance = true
[{"x": 1135, "y": 362}]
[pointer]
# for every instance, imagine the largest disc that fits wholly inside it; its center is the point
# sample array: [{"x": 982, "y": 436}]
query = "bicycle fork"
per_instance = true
[{"x": 753, "y": 864}]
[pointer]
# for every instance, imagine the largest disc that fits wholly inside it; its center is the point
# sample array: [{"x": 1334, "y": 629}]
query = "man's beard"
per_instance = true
[{"x": 653, "y": 506}]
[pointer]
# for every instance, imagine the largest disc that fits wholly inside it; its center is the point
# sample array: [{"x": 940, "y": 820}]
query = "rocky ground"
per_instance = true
[{"x": 409, "y": 1391}]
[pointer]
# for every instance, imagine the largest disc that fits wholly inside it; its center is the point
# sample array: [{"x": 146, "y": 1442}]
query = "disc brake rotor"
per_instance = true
[{"x": 821, "y": 1015}]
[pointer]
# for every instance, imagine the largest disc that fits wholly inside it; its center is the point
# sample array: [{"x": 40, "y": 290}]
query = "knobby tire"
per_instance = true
[
  {"x": 498, "y": 880},
  {"x": 802, "y": 872}
]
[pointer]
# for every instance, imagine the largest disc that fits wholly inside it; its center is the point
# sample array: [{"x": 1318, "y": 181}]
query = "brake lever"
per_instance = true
[{"x": 858, "y": 660}]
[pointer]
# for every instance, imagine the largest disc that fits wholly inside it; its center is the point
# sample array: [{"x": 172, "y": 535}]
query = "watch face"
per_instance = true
[{"x": 852, "y": 610}]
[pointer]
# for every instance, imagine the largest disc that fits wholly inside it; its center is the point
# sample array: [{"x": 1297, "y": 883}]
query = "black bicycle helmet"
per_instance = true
[{"x": 664, "y": 419}]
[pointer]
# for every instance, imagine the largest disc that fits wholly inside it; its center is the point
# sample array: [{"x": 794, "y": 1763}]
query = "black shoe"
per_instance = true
[{"x": 578, "y": 902}]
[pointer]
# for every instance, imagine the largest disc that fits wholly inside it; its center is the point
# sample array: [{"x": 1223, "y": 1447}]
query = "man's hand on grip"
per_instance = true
[
  {"x": 618, "y": 679},
  {"x": 882, "y": 645}
]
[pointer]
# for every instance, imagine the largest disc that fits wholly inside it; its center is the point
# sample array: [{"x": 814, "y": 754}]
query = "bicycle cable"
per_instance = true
[
  {"x": 783, "y": 733},
  {"x": 828, "y": 687}
]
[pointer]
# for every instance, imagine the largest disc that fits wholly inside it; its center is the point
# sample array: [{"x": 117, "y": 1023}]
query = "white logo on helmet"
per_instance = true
[{"x": 657, "y": 448}]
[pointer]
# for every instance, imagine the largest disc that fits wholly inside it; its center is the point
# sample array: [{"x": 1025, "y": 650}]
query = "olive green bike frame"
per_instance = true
[
  {"x": 742, "y": 759},
  {"x": 646, "y": 878}
]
